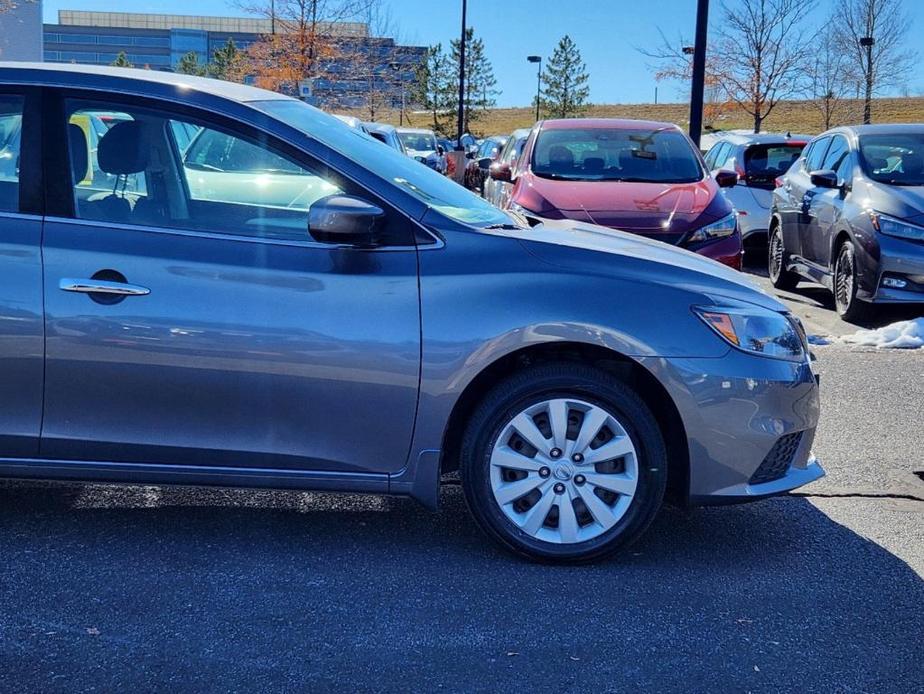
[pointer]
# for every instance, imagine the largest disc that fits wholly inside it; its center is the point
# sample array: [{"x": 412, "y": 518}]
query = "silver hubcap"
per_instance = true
[{"x": 564, "y": 470}]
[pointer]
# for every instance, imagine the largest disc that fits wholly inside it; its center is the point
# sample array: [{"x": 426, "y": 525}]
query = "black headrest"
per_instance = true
[
  {"x": 559, "y": 154},
  {"x": 122, "y": 149},
  {"x": 77, "y": 146},
  {"x": 594, "y": 163}
]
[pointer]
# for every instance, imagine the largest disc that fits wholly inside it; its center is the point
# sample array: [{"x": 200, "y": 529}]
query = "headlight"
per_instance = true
[
  {"x": 756, "y": 330},
  {"x": 717, "y": 230},
  {"x": 896, "y": 227}
]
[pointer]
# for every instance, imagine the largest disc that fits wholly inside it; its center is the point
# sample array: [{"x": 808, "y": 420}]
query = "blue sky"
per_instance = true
[{"x": 606, "y": 31}]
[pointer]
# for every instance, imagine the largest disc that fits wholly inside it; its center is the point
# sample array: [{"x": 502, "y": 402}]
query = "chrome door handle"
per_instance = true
[{"x": 91, "y": 286}]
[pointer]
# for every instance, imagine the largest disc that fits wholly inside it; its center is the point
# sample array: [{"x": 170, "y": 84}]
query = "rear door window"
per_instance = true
[{"x": 816, "y": 154}]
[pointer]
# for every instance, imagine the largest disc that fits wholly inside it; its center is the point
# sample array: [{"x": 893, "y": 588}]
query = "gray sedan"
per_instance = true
[{"x": 369, "y": 339}]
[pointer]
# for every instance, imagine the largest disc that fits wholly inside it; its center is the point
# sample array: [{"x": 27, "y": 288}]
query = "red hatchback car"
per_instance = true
[{"x": 642, "y": 177}]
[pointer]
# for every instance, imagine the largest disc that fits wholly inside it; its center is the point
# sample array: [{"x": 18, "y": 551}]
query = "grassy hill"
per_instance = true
[{"x": 796, "y": 116}]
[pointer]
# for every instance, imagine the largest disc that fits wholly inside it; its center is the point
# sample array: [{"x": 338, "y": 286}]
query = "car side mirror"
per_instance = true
[
  {"x": 725, "y": 178},
  {"x": 345, "y": 220},
  {"x": 501, "y": 172},
  {"x": 485, "y": 163},
  {"x": 825, "y": 178},
  {"x": 440, "y": 150}
]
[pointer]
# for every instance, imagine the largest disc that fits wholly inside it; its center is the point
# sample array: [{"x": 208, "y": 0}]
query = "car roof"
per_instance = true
[
  {"x": 881, "y": 129},
  {"x": 592, "y": 123},
  {"x": 130, "y": 80},
  {"x": 748, "y": 138}
]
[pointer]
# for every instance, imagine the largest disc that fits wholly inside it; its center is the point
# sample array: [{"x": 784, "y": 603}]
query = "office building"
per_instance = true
[{"x": 159, "y": 42}]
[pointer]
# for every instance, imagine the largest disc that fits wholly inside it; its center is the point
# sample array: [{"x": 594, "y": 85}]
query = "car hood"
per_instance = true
[
  {"x": 902, "y": 202},
  {"x": 650, "y": 260},
  {"x": 665, "y": 211}
]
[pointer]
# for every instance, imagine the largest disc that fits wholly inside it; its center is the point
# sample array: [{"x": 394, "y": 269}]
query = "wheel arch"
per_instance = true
[{"x": 631, "y": 372}]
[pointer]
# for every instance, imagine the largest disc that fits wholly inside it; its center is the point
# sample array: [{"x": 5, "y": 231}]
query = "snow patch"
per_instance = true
[{"x": 906, "y": 334}]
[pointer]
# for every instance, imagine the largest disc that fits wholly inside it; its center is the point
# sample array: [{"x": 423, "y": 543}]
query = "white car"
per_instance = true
[{"x": 759, "y": 159}]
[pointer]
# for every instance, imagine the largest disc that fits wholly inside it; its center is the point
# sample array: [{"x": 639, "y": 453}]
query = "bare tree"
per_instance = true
[
  {"x": 304, "y": 37},
  {"x": 377, "y": 65},
  {"x": 888, "y": 61},
  {"x": 831, "y": 77},
  {"x": 761, "y": 53},
  {"x": 673, "y": 60}
]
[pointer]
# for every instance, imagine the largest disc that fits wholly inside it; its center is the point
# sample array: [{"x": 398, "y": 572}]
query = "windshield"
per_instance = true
[
  {"x": 419, "y": 142},
  {"x": 895, "y": 159},
  {"x": 616, "y": 154},
  {"x": 425, "y": 184}
]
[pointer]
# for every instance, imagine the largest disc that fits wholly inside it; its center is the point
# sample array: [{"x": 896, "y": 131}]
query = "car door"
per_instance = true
[
  {"x": 823, "y": 206},
  {"x": 192, "y": 320},
  {"x": 797, "y": 192},
  {"x": 21, "y": 328}
]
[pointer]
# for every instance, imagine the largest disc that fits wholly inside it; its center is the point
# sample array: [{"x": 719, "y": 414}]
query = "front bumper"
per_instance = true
[
  {"x": 898, "y": 258},
  {"x": 735, "y": 410}
]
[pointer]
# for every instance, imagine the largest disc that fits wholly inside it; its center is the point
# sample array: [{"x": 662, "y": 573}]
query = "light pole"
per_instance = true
[
  {"x": 537, "y": 59},
  {"x": 699, "y": 70},
  {"x": 461, "y": 117},
  {"x": 868, "y": 42}
]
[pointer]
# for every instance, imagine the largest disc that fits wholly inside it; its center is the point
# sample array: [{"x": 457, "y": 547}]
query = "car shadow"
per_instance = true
[{"x": 119, "y": 587}]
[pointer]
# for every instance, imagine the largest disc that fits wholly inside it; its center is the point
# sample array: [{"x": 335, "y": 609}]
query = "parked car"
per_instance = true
[
  {"x": 758, "y": 160},
  {"x": 421, "y": 144},
  {"x": 849, "y": 215},
  {"x": 497, "y": 192},
  {"x": 370, "y": 340},
  {"x": 480, "y": 159},
  {"x": 639, "y": 176},
  {"x": 386, "y": 134}
]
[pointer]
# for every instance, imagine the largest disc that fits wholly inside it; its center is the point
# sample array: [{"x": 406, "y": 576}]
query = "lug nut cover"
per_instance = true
[{"x": 559, "y": 488}]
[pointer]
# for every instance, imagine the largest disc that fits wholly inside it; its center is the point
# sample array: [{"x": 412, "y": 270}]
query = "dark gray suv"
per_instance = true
[
  {"x": 849, "y": 215},
  {"x": 267, "y": 297}
]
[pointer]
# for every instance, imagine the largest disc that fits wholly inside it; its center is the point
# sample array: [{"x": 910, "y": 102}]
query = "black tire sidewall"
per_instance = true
[
  {"x": 785, "y": 279},
  {"x": 580, "y": 382},
  {"x": 853, "y": 310}
]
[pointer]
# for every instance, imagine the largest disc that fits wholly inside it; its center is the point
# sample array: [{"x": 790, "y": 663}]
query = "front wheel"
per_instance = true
[
  {"x": 848, "y": 306},
  {"x": 563, "y": 462}
]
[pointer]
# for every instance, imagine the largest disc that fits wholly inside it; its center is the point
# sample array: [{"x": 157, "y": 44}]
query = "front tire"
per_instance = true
[
  {"x": 780, "y": 277},
  {"x": 848, "y": 306},
  {"x": 563, "y": 462}
]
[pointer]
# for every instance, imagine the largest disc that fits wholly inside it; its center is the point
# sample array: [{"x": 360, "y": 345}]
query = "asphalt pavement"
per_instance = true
[{"x": 147, "y": 588}]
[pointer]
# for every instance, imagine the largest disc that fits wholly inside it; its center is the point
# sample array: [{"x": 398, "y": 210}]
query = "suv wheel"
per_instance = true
[
  {"x": 780, "y": 277},
  {"x": 848, "y": 306},
  {"x": 563, "y": 462}
]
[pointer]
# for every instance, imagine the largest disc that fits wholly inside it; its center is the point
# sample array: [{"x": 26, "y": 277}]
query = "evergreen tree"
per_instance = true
[
  {"x": 189, "y": 65},
  {"x": 565, "y": 90},
  {"x": 121, "y": 60},
  {"x": 433, "y": 87},
  {"x": 226, "y": 62},
  {"x": 480, "y": 85}
]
